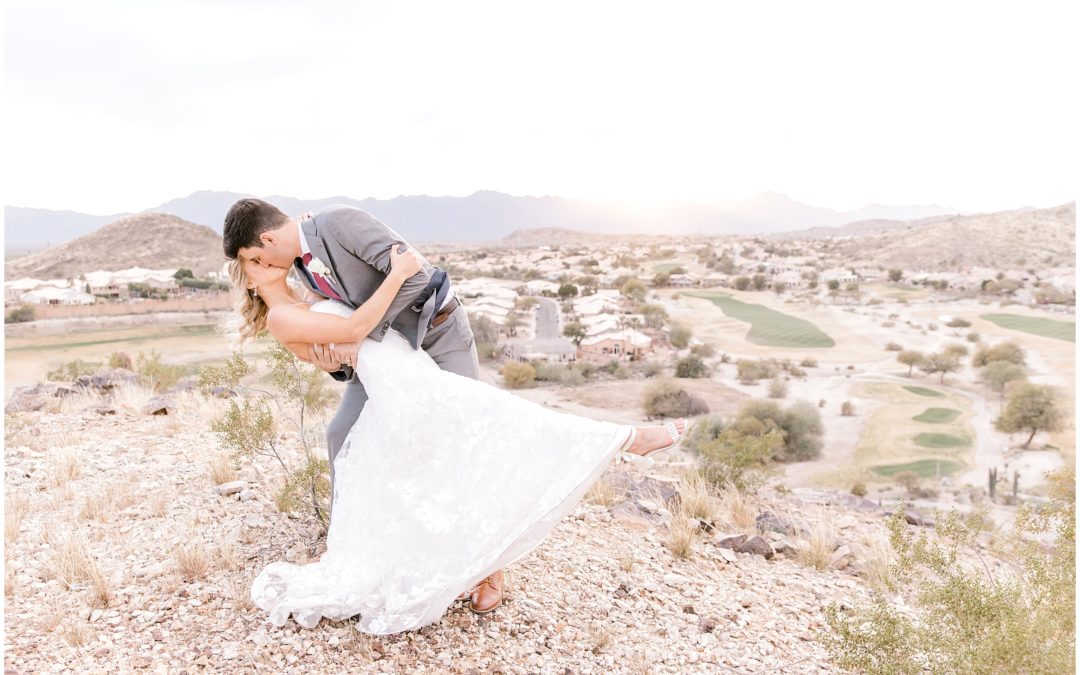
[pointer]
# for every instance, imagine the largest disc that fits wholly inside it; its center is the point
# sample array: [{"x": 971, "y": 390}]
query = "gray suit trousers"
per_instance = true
[{"x": 450, "y": 344}]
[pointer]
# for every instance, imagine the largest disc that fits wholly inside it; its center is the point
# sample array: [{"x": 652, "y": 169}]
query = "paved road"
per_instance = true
[{"x": 547, "y": 319}]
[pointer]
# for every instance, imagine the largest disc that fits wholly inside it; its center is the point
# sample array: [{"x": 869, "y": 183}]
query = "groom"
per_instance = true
[{"x": 342, "y": 253}]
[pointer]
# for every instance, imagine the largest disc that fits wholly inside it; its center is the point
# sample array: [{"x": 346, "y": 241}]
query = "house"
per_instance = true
[
  {"x": 597, "y": 303},
  {"x": 50, "y": 295},
  {"x": 623, "y": 345},
  {"x": 681, "y": 281},
  {"x": 550, "y": 350}
]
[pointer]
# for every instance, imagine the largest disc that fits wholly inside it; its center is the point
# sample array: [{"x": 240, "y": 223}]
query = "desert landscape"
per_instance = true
[{"x": 136, "y": 518}]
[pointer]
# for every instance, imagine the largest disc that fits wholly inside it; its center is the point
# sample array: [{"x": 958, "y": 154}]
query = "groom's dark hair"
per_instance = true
[{"x": 245, "y": 221}]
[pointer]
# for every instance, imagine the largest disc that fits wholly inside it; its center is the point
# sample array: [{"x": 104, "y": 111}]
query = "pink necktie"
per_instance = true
[{"x": 319, "y": 281}]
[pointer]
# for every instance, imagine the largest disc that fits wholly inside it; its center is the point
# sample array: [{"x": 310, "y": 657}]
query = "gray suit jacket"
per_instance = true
[{"x": 356, "y": 248}]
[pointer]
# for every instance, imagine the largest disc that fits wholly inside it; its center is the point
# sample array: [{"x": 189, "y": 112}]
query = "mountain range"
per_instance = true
[{"x": 486, "y": 216}]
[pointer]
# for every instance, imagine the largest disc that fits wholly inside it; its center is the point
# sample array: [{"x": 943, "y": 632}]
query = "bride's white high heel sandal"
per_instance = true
[{"x": 645, "y": 461}]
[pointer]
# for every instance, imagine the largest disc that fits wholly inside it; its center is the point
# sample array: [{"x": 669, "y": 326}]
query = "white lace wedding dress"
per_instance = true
[{"x": 442, "y": 481}]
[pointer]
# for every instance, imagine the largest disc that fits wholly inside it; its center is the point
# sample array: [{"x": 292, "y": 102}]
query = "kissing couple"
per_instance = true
[{"x": 439, "y": 481}]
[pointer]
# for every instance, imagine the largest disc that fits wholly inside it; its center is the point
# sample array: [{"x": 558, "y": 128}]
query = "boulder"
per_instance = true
[
  {"x": 770, "y": 522},
  {"x": 159, "y": 405},
  {"x": 231, "y": 488},
  {"x": 757, "y": 546}
]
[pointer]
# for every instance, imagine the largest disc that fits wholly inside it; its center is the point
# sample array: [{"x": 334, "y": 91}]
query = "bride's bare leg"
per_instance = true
[{"x": 652, "y": 437}]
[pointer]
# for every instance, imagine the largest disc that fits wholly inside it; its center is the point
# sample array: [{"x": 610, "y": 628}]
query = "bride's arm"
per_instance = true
[{"x": 290, "y": 323}]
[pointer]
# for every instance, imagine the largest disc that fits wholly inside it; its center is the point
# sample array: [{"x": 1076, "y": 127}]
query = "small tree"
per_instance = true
[
  {"x": 655, "y": 316},
  {"x": 941, "y": 364},
  {"x": 1006, "y": 351},
  {"x": 183, "y": 273},
  {"x": 895, "y": 275},
  {"x": 911, "y": 359},
  {"x": 567, "y": 291},
  {"x": 847, "y": 409},
  {"x": 778, "y": 387},
  {"x": 633, "y": 289},
  {"x": 759, "y": 281},
  {"x": 661, "y": 280},
  {"x": 742, "y": 283},
  {"x": 997, "y": 375},
  {"x": 1030, "y": 407},
  {"x": 518, "y": 375},
  {"x": 833, "y": 285},
  {"x": 575, "y": 331},
  {"x": 665, "y": 398},
  {"x": 741, "y": 460},
  {"x": 680, "y": 336}
]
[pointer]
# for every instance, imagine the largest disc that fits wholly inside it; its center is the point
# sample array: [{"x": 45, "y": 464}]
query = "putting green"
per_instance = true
[
  {"x": 940, "y": 441},
  {"x": 925, "y": 468},
  {"x": 1051, "y": 328},
  {"x": 923, "y": 391},
  {"x": 937, "y": 415},
  {"x": 769, "y": 327}
]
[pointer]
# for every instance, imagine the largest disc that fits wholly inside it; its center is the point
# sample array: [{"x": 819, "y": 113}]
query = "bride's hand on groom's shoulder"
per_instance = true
[{"x": 404, "y": 265}]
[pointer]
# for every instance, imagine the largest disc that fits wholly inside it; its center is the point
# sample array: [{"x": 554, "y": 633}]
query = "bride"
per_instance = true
[{"x": 441, "y": 482}]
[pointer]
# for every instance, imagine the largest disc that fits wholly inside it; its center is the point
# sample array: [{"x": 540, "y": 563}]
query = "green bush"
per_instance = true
[
  {"x": 680, "y": 336},
  {"x": 159, "y": 375},
  {"x": 739, "y": 459},
  {"x": 665, "y": 398},
  {"x": 967, "y": 619},
  {"x": 800, "y": 426},
  {"x": 20, "y": 314},
  {"x": 121, "y": 360},
  {"x": 558, "y": 373},
  {"x": 691, "y": 367},
  {"x": 1006, "y": 351}
]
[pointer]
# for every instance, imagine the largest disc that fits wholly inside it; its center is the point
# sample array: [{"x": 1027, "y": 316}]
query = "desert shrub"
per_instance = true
[
  {"x": 858, "y": 489},
  {"x": 959, "y": 323},
  {"x": 558, "y": 373},
  {"x": 652, "y": 368},
  {"x": 518, "y": 375},
  {"x": 72, "y": 370},
  {"x": 796, "y": 371},
  {"x": 909, "y": 479},
  {"x": 778, "y": 387},
  {"x": 20, "y": 314},
  {"x": 752, "y": 370},
  {"x": 486, "y": 336},
  {"x": 249, "y": 427},
  {"x": 705, "y": 429},
  {"x": 705, "y": 350},
  {"x": 893, "y": 347},
  {"x": 665, "y": 398},
  {"x": 956, "y": 349},
  {"x": 972, "y": 337},
  {"x": 741, "y": 460},
  {"x": 680, "y": 336},
  {"x": 965, "y": 618},
  {"x": 808, "y": 362},
  {"x": 158, "y": 375},
  {"x": 847, "y": 409},
  {"x": 800, "y": 426},
  {"x": 691, "y": 366},
  {"x": 121, "y": 360},
  {"x": 1006, "y": 351}
]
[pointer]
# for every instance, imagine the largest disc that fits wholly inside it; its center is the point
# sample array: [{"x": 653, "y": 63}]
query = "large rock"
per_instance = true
[
  {"x": 159, "y": 405},
  {"x": 841, "y": 557},
  {"x": 757, "y": 546},
  {"x": 231, "y": 488},
  {"x": 104, "y": 381},
  {"x": 770, "y": 522},
  {"x": 36, "y": 397}
]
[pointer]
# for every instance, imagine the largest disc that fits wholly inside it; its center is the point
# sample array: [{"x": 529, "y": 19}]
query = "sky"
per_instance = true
[{"x": 119, "y": 106}]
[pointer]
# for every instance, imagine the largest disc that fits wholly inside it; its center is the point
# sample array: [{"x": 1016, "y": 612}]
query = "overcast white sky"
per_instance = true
[{"x": 116, "y": 106}]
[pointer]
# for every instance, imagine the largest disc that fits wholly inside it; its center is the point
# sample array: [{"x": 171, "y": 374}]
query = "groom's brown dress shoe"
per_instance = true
[{"x": 488, "y": 594}]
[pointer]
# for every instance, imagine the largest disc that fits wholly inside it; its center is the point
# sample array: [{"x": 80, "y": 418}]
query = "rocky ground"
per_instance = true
[{"x": 131, "y": 546}]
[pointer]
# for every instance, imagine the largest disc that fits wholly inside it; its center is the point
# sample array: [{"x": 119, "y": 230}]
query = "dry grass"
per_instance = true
[
  {"x": 192, "y": 561},
  {"x": 876, "y": 556},
  {"x": 51, "y": 613},
  {"x": 101, "y": 595},
  {"x": 69, "y": 562},
  {"x": 158, "y": 502},
  {"x": 74, "y": 403},
  {"x": 16, "y": 506},
  {"x": 240, "y": 592},
  {"x": 97, "y": 506},
  {"x": 77, "y": 633},
  {"x": 132, "y": 396},
  {"x": 695, "y": 497},
  {"x": 66, "y": 468},
  {"x": 9, "y": 582},
  {"x": 682, "y": 532},
  {"x": 815, "y": 549},
  {"x": 603, "y": 493},
  {"x": 627, "y": 560},
  {"x": 123, "y": 493},
  {"x": 222, "y": 469},
  {"x": 600, "y": 638},
  {"x": 736, "y": 510},
  {"x": 228, "y": 556}
]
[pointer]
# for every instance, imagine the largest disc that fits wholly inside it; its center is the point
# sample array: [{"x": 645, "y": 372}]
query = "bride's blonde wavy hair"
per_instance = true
[{"x": 250, "y": 309}]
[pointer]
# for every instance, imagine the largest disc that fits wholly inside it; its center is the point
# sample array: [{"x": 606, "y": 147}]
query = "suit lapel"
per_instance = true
[{"x": 318, "y": 250}]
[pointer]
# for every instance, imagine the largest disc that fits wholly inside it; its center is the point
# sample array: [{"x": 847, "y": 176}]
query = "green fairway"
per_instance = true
[
  {"x": 664, "y": 268},
  {"x": 923, "y": 391},
  {"x": 937, "y": 415},
  {"x": 940, "y": 441},
  {"x": 925, "y": 468},
  {"x": 767, "y": 326},
  {"x": 1051, "y": 328}
]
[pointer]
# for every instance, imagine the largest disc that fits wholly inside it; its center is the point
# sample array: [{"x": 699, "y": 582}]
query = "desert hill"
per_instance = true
[{"x": 153, "y": 240}]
